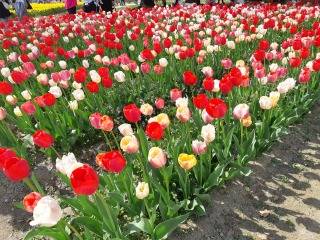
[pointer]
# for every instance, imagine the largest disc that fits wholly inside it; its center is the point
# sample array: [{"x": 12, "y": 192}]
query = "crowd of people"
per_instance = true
[{"x": 21, "y": 6}]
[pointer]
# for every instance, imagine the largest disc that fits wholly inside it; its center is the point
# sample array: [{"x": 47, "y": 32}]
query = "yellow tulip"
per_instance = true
[{"x": 187, "y": 161}]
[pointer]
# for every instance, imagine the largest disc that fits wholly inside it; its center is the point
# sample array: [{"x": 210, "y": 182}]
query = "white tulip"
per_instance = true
[
  {"x": 119, "y": 76},
  {"x": 142, "y": 190},
  {"x": 55, "y": 91},
  {"x": 208, "y": 133},
  {"x": 73, "y": 105},
  {"x": 26, "y": 95},
  {"x": 78, "y": 94},
  {"x": 47, "y": 212},
  {"x": 125, "y": 129}
]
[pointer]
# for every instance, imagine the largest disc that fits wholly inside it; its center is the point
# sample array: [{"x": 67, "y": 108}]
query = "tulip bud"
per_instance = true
[
  {"x": 187, "y": 161},
  {"x": 265, "y": 103},
  {"x": 208, "y": 133},
  {"x": 146, "y": 109},
  {"x": 26, "y": 95},
  {"x": 142, "y": 190},
  {"x": 129, "y": 144},
  {"x": 156, "y": 157},
  {"x": 199, "y": 147},
  {"x": 3, "y": 113},
  {"x": 78, "y": 94}
]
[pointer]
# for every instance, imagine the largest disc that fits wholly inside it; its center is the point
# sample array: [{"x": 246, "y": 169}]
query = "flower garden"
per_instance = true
[{"x": 182, "y": 99}]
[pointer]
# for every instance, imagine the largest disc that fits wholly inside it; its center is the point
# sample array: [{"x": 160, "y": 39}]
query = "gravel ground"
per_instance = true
[{"x": 280, "y": 200}]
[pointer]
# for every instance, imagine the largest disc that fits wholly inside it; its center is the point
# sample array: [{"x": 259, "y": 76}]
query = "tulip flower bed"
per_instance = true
[{"x": 182, "y": 97}]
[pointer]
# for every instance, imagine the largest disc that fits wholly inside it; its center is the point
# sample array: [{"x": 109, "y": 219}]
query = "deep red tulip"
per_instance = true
[
  {"x": 216, "y": 108},
  {"x": 200, "y": 101},
  {"x": 5, "y": 153},
  {"x": 189, "y": 78},
  {"x": 208, "y": 84},
  {"x": 92, "y": 87},
  {"x": 42, "y": 139},
  {"x": 19, "y": 76},
  {"x": 112, "y": 161},
  {"x": 49, "y": 99},
  {"x": 154, "y": 131},
  {"x": 16, "y": 169},
  {"x": 6, "y": 88},
  {"x": 84, "y": 180},
  {"x": 132, "y": 113},
  {"x": 80, "y": 75}
]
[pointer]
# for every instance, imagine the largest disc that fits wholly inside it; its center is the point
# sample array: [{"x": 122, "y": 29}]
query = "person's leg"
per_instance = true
[{"x": 72, "y": 10}]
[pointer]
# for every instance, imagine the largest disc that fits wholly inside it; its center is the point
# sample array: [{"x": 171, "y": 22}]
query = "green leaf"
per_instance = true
[
  {"x": 213, "y": 179},
  {"x": 162, "y": 230},
  {"x": 89, "y": 223},
  {"x": 45, "y": 232},
  {"x": 142, "y": 226}
]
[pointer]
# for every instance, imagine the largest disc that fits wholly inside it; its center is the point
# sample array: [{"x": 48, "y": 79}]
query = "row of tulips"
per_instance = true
[{"x": 182, "y": 97}]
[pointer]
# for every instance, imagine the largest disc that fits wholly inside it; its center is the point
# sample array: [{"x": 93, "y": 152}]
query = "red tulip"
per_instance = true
[
  {"x": 5, "y": 153},
  {"x": 208, "y": 84},
  {"x": 200, "y": 101},
  {"x": 92, "y": 87},
  {"x": 48, "y": 99},
  {"x": 189, "y": 78},
  {"x": 42, "y": 139},
  {"x": 84, "y": 180},
  {"x": 259, "y": 55},
  {"x": 6, "y": 88},
  {"x": 80, "y": 75},
  {"x": 19, "y": 77},
  {"x": 16, "y": 169},
  {"x": 112, "y": 161},
  {"x": 154, "y": 131},
  {"x": 295, "y": 62},
  {"x": 264, "y": 44},
  {"x": 30, "y": 201},
  {"x": 106, "y": 82},
  {"x": 132, "y": 113},
  {"x": 216, "y": 108},
  {"x": 316, "y": 65}
]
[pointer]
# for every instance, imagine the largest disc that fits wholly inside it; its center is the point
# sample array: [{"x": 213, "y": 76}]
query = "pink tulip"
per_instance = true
[
  {"x": 56, "y": 77},
  {"x": 28, "y": 108},
  {"x": 158, "y": 69},
  {"x": 241, "y": 111},
  {"x": 226, "y": 63},
  {"x": 199, "y": 147},
  {"x": 3, "y": 113},
  {"x": 159, "y": 103},
  {"x": 175, "y": 93},
  {"x": 65, "y": 75},
  {"x": 29, "y": 68},
  {"x": 95, "y": 120},
  {"x": 305, "y": 75},
  {"x": 206, "y": 118},
  {"x": 145, "y": 68}
]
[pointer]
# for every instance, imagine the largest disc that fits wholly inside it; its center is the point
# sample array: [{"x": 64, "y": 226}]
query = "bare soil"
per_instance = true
[{"x": 280, "y": 200}]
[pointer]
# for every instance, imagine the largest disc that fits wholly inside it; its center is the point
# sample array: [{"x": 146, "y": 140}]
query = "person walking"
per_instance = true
[
  {"x": 71, "y": 6},
  {"x": 91, "y": 6},
  {"x": 20, "y": 7},
  {"x": 107, "y": 5}
]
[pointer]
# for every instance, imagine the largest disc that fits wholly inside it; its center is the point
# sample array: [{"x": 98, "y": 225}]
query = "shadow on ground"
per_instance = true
[{"x": 280, "y": 200}]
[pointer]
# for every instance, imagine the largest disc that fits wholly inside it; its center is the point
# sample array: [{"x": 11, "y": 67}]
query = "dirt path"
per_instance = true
[{"x": 285, "y": 186}]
